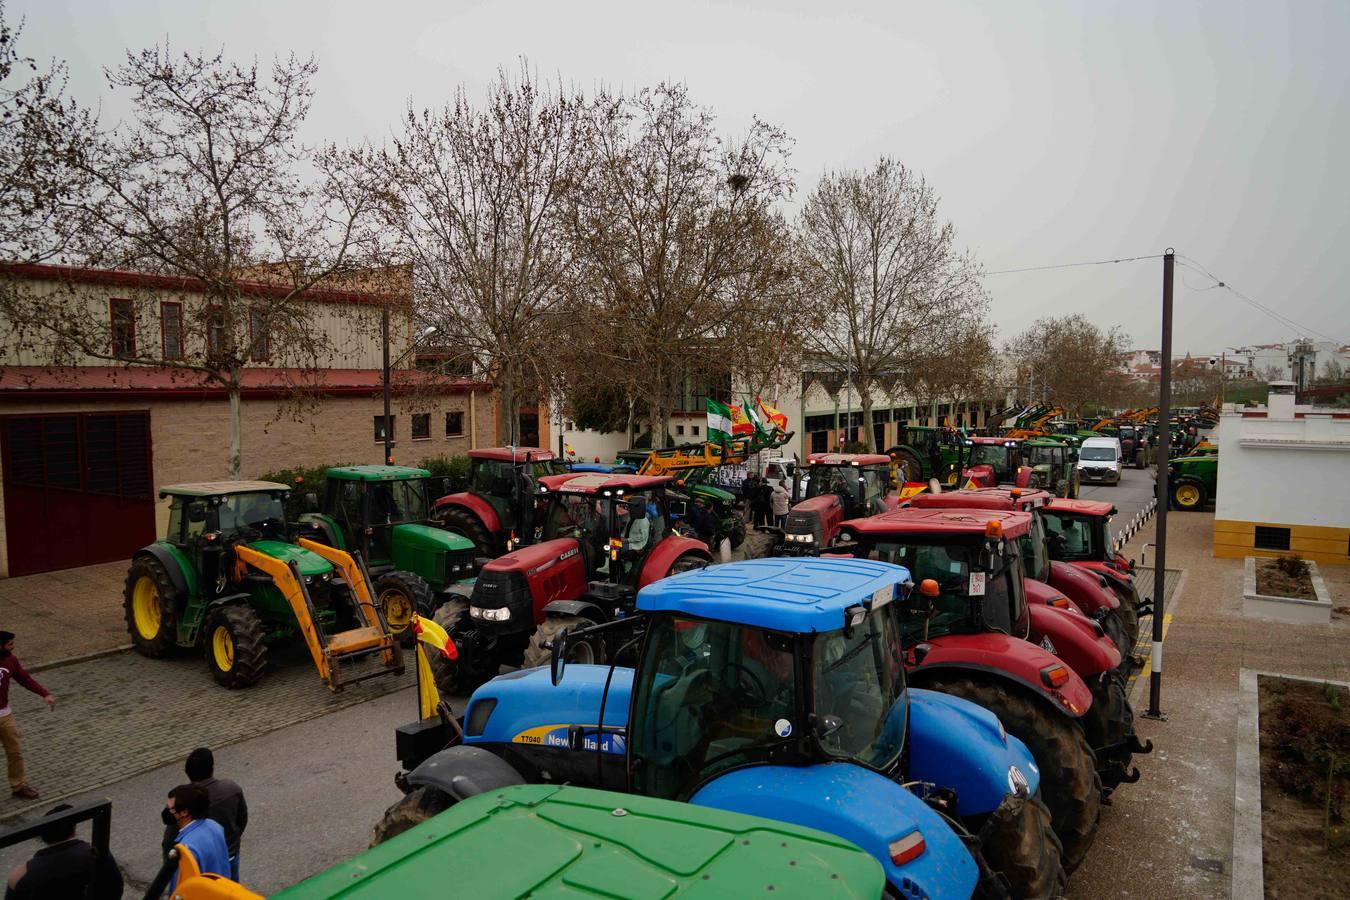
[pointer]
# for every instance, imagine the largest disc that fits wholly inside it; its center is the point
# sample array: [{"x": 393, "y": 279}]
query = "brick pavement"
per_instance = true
[
  {"x": 123, "y": 714},
  {"x": 57, "y": 615}
]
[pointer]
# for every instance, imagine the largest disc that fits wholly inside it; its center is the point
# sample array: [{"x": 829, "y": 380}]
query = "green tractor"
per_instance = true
[
  {"x": 384, "y": 512},
  {"x": 1193, "y": 480},
  {"x": 727, "y": 519},
  {"x": 1054, "y": 465},
  {"x": 922, "y": 452},
  {"x": 226, "y": 578}
]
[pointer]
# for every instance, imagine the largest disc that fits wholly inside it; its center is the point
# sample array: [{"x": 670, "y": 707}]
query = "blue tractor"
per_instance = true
[{"x": 774, "y": 687}]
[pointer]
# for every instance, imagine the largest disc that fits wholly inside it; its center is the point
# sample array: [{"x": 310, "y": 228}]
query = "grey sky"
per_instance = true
[{"x": 1055, "y": 131}]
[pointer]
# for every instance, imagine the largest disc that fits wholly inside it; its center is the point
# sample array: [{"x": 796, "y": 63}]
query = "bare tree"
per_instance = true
[
  {"x": 207, "y": 182},
  {"x": 894, "y": 287},
  {"x": 683, "y": 260},
  {"x": 1073, "y": 363},
  {"x": 473, "y": 196}
]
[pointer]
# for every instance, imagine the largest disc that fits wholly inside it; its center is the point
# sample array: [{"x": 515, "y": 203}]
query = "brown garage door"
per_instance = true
[{"x": 78, "y": 488}]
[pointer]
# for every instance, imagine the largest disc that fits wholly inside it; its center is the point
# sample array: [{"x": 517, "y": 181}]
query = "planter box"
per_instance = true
[{"x": 1290, "y": 610}]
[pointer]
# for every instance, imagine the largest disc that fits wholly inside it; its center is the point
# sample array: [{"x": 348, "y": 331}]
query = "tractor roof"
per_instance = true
[
  {"x": 993, "y": 441},
  {"x": 799, "y": 596},
  {"x": 600, "y": 482},
  {"x": 982, "y": 498},
  {"x": 1081, "y": 507},
  {"x": 965, "y": 522},
  {"x": 849, "y": 459},
  {"x": 220, "y": 488},
  {"x": 377, "y": 473},
  {"x": 513, "y": 454}
]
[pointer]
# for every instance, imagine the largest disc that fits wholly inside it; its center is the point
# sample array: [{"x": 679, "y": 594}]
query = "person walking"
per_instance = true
[
  {"x": 225, "y": 801},
  {"x": 187, "y": 806},
  {"x": 778, "y": 503},
  {"x": 65, "y": 867},
  {"x": 12, "y": 670}
]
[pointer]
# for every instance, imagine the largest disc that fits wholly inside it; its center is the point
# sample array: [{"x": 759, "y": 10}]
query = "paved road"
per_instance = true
[{"x": 1130, "y": 496}]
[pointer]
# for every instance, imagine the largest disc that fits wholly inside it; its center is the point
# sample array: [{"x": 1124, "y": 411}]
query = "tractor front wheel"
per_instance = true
[
  {"x": 1025, "y": 848},
  {"x": 398, "y": 595},
  {"x": 235, "y": 652},
  {"x": 1069, "y": 781},
  {"x": 1110, "y": 726},
  {"x": 460, "y": 677},
  {"x": 1188, "y": 496},
  {"x": 150, "y": 604},
  {"x": 578, "y": 651},
  {"x": 687, "y": 563},
  {"x": 466, "y": 525},
  {"x": 415, "y": 808}
]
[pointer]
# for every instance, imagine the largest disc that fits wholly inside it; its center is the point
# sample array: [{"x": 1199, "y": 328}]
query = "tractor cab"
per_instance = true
[
  {"x": 922, "y": 452},
  {"x": 842, "y": 486},
  {"x": 1079, "y": 532},
  {"x": 991, "y": 461},
  {"x": 1054, "y": 466},
  {"x": 502, "y": 508},
  {"x": 384, "y": 512}
]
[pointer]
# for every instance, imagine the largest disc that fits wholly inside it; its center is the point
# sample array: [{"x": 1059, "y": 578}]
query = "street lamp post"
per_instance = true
[{"x": 384, "y": 339}]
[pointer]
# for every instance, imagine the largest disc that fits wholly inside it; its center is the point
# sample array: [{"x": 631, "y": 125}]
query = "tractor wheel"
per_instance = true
[
  {"x": 150, "y": 604},
  {"x": 466, "y": 525},
  {"x": 1069, "y": 781},
  {"x": 1188, "y": 496},
  {"x": 583, "y": 651},
  {"x": 736, "y": 534},
  {"x": 462, "y": 676},
  {"x": 687, "y": 563},
  {"x": 1110, "y": 721},
  {"x": 908, "y": 467},
  {"x": 1025, "y": 848},
  {"x": 397, "y": 596},
  {"x": 235, "y": 652},
  {"x": 1129, "y": 624},
  {"x": 415, "y": 808}
]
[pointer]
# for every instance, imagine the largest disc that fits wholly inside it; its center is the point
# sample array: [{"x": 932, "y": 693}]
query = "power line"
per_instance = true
[
  {"x": 1095, "y": 262},
  {"x": 1192, "y": 263}
]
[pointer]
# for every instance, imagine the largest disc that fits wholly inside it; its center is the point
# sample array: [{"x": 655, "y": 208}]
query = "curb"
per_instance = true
[
  {"x": 1138, "y": 522},
  {"x": 72, "y": 660}
]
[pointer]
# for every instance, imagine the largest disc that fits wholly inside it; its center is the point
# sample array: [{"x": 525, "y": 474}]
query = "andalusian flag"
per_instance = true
[
  {"x": 772, "y": 416},
  {"x": 756, "y": 423},
  {"x": 740, "y": 425},
  {"x": 719, "y": 421}
]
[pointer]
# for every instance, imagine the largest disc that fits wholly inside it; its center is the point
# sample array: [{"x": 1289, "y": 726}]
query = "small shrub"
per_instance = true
[
  {"x": 454, "y": 469},
  {"x": 1291, "y": 565},
  {"x": 301, "y": 480}
]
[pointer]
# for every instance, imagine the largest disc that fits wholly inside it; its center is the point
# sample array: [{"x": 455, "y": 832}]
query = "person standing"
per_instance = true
[
  {"x": 187, "y": 806},
  {"x": 702, "y": 522},
  {"x": 12, "y": 670},
  {"x": 65, "y": 867},
  {"x": 225, "y": 805},
  {"x": 778, "y": 503}
]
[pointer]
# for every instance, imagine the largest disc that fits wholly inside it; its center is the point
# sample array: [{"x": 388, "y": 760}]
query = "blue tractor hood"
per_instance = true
[
  {"x": 525, "y": 707},
  {"x": 859, "y": 805}
]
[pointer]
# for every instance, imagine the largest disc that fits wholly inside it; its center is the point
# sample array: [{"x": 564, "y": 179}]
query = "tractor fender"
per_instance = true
[
  {"x": 1022, "y": 478},
  {"x": 982, "y": 475},
  {"x": 474, "y": 504},
  {"x": 1082, "y": 587},
  {"x": 958, "y": 744},
  {"x": 858, "y": 805},
  {"x": 663, "y": 556},
  {"x": 575, "y": 608},
  {"x": 464, "y": 772},
  {"x": 1003, "y": 657},
  {"x": 1077, "y": 640},
  {"x": 175, "y": 562},
  {"x": 1040, "y": 594}
]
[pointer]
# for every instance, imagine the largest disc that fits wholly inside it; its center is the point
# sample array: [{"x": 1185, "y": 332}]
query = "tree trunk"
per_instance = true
[
  {"x": 628, "y": 429},
  {"x": 869, "y": 439},
  {"x": 233, "y": 463},
  {"x": 509, "y": 419}
]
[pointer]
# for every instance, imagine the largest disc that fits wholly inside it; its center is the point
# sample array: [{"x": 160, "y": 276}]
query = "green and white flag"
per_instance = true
[
  {"x": 753, "y": 415},
  {"x": 719, "y": 421}
]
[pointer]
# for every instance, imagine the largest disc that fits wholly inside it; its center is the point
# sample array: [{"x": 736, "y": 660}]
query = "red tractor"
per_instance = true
[
  {"x": 967, "y": 632},
  {"x": 502, "y": 508},
  {"x": 991, "y": 461},
  {"x": 840, "y": 486},
  {"x": 1079, "y": 532},
  {"x": 1090, "y": 592},
  {"x": 603, "y": 538}
]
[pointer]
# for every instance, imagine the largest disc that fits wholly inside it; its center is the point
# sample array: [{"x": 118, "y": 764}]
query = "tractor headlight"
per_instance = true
[
  {"x": 309, "y": 579},
  {"x": 1017, "y": 782},
  {"x": 326, "y": 576},
  {"x": 490, "y": 615}
]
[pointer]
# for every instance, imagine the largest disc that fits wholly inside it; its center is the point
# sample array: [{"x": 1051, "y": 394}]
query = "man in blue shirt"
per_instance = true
[{"x": 188, "y": 806}]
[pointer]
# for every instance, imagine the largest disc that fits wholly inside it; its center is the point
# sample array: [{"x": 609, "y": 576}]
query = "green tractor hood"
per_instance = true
[
  {"x": 308, "y": 562},
  {"x": 426, "y": 538},
  {"x": 716, "y": 494},
  {"x": 439, "y": 556}
]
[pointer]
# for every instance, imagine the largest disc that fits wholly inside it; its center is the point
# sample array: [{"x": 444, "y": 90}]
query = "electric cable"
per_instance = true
[{"x": 1095, "y": 262}]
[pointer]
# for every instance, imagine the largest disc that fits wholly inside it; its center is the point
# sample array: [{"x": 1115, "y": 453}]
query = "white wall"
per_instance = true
[{"x": 1289, "y": 471}]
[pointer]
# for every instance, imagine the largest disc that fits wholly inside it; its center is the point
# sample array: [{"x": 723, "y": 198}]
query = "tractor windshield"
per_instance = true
[
  {"x": 1042, "y": 455},
  {"x": 1076, "y": 537},
  {"x": 859, "y": 684},
  {"x": 841, "y": 480},
  {"x": 995, "y": 455},
  {"x": 964, "y": 604},
  {"x": 397, "y": 502},
  {"x": 1032, "y": 546},
  {"x": 709, "y": 696},
  {"x": 248, "y": 511}
]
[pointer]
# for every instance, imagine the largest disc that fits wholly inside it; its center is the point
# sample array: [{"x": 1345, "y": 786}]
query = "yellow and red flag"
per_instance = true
[
  {"x": 740, "y": 422},
  {"x": 772, "y": 416}
]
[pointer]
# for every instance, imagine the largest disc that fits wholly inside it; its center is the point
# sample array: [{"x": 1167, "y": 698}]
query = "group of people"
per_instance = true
[{"x": 768, "y": 501}]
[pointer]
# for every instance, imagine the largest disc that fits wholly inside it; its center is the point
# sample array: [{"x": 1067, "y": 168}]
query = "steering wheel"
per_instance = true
[{"x": 749, "y": 687}]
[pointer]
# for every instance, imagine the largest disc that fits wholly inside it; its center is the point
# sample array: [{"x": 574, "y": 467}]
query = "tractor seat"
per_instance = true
[{"x": 355, "y": 640}]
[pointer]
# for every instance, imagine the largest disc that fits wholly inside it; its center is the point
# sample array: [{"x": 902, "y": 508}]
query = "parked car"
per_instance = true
[{"x": 1100, "y": 461}]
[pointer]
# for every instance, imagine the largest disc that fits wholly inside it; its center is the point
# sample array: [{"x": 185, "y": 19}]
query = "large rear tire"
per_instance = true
[
  {"x": 398, "y": 595},
  {"x": 907, "y": 467},
  {"x": 736, "y": 533},
  {"x": 415, "y": 808},
  {"x": 466, "y": 525},
  {"x": 1069, "y": 781},
  {"x": 235, "y": 652},
  {"x": 464, "y": 675},
  {"x": 582, "y": 651},
  {"x": 150, "y": 605},
  {"x": 1110, "y": 722},
  {"x": 1188, "y": 496},
  {"x": 1025, "y": 848}
]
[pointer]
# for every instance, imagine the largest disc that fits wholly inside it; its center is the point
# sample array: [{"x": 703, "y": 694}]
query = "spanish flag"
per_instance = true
[
  {"x": 772, "y": 416},
  {"x": 740, "y": 423}
]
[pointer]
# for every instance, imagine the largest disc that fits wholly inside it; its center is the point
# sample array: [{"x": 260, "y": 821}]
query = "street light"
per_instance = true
[{"x": 384, "y": 338}]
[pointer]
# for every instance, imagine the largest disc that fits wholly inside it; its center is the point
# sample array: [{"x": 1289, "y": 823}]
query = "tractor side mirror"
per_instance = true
[
  {"x": 310, "y": 500},
  {"x": 828, "y": 725},
  {"x": 196, "y": 511},
  {"x": 557, "y": 659}
]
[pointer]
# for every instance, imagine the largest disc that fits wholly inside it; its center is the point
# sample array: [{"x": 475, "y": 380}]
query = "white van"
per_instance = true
[{"x": 1099, "y": 460}]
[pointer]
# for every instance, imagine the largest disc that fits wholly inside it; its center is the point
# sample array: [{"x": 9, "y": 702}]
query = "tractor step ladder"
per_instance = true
[{"x": 344, "y": 657}]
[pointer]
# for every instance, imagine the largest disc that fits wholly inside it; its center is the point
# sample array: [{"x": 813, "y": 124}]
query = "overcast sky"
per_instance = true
[{"x": 1055, "y": 132}]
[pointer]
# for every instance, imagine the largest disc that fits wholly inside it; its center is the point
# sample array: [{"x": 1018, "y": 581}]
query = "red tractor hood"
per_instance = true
[
  {"x": 1074, "y": 638},
  {"x": 1082, "y": 587},
  {"x": 530, "y": 559},
  {"x": 817, "y": 516}
]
